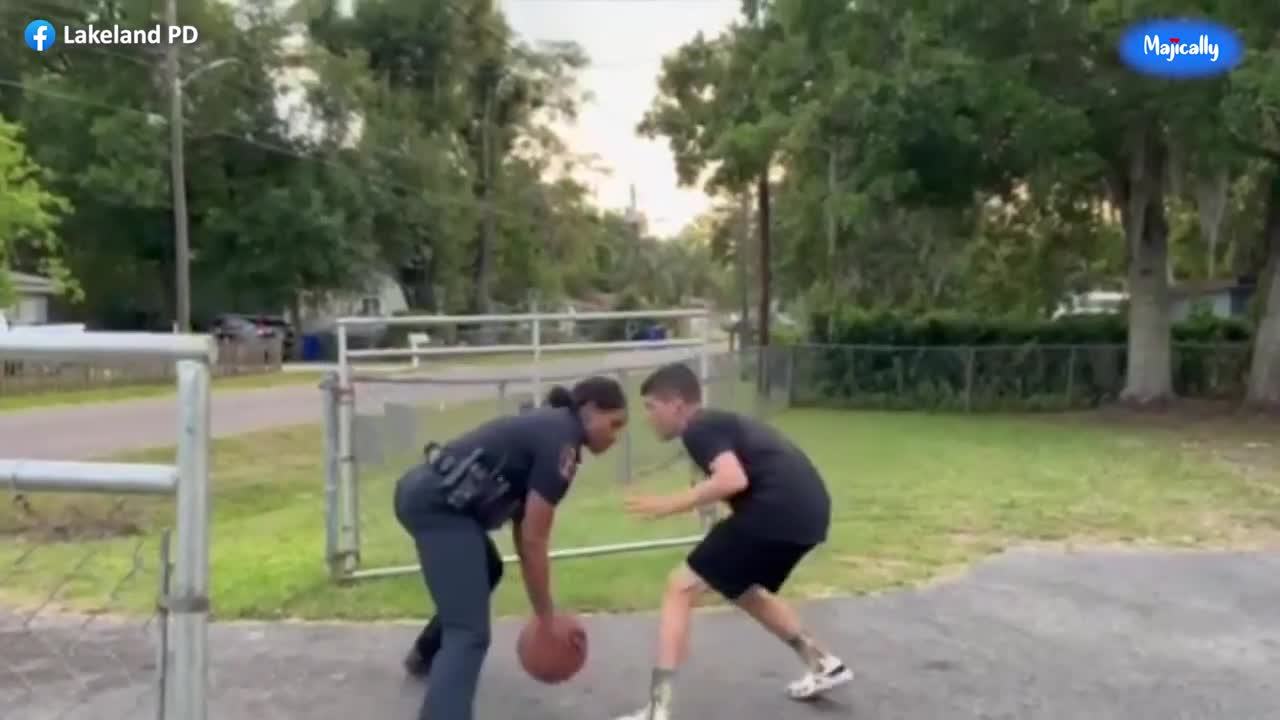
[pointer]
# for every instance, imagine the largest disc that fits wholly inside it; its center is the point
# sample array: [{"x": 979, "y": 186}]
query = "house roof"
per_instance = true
[
  {"x": 28, "y": 284},
  {"x": 1211, "y": 287}
]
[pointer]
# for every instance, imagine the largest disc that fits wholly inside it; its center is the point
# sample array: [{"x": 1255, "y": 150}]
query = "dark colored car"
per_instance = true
[{"x": 239, "y": 327}]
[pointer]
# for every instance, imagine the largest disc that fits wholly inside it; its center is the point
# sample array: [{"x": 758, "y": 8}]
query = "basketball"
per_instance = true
[{"x": 546, "y": 656}]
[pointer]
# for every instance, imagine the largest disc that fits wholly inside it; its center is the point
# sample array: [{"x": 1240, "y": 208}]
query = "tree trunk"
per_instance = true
[
  {"x": 1264, "y": 372},
  {"x": 1149, "y": 377},
  {"x": 1211, "y": 202}
]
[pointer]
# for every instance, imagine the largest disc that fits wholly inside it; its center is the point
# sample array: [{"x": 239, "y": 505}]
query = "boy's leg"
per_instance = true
[
  {"x": 826, "y": 671},
  {"x": 774, "y": 563},
  {"x": 717, "y": 563}
]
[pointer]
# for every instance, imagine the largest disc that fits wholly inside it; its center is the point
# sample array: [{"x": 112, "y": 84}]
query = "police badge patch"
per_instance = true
[{"x": 568, "y": 462}]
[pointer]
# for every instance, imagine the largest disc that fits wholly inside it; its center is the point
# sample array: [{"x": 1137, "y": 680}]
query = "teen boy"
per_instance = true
[{"x": 781, "y": 511}]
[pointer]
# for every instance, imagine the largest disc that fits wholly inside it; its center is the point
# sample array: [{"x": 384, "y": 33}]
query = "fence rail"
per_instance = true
[{"x": 41, "y": 373}]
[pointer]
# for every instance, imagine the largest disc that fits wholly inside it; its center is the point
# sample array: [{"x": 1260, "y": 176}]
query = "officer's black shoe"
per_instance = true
[{"x": 416, "y": 665}]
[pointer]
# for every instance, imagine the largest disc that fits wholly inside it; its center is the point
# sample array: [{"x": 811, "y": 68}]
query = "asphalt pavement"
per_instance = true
[{"x": 1028, "y": 635}]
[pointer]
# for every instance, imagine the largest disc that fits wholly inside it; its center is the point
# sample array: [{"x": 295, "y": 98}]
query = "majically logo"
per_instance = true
[{"x": 1180, "y": 48}]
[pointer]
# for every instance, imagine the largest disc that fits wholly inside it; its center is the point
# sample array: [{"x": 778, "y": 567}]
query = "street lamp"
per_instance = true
[{"x": 182, "y": 244}]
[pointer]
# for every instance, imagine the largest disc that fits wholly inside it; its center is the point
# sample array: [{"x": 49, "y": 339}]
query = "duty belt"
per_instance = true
[{"x": 472, "y": 484}]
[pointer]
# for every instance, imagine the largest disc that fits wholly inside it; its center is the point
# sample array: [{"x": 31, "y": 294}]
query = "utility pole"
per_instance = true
[
  {"x": 178, "y": 180},
  {"x": 744, "y": 277},
  {"x": 765, "y": 255}
]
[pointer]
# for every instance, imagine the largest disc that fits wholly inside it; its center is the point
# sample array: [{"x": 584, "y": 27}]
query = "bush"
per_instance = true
[
  {"x": 950, "y": 361},
  {"x": 857, "y": 327}
]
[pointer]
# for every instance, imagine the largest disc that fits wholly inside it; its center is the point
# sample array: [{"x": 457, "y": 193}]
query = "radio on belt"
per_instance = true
[{"x": 470, "y": 486}]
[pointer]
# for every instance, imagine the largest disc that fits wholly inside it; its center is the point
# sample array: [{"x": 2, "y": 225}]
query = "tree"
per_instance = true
[
  {"x": 29, "y": 215},
  {"x": 1251, "y": 117}
]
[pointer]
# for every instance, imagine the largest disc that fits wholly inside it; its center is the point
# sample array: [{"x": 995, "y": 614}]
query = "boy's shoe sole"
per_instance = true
[{"x": 818, "y": 685}]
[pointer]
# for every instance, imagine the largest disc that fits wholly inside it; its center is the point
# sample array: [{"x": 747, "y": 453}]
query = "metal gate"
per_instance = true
[{"x": 377, "y": 420}]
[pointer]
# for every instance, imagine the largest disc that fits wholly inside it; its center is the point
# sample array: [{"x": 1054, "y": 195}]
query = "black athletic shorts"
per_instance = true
[{"x": 732, "y": 560}]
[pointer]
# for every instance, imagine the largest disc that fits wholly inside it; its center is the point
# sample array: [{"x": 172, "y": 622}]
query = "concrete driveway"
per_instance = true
[
  {"x": 95, "y": 430},
  {"x": 1029, "y": 635}
]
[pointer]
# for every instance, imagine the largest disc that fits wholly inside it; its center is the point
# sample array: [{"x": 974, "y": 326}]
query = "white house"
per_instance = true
[
  {"x": 32, "y": 305},
  {"x": 381, "y": 296},
  {"x": 1227, "y": 298}
]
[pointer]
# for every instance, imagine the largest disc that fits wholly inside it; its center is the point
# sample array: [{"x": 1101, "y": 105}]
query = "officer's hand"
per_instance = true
[
  {"x": 562, "y": 633},
  {"x": 650, "y": 506}
]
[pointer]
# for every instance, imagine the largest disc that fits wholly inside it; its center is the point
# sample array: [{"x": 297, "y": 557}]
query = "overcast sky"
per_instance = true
[{"x": 626, "y": 40}]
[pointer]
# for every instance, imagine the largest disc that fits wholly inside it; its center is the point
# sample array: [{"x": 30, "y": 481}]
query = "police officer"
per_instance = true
[{"x": 515, "y": 468}]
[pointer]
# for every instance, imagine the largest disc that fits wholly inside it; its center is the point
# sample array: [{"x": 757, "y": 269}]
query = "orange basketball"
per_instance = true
[{"x": 552, "y": 657}]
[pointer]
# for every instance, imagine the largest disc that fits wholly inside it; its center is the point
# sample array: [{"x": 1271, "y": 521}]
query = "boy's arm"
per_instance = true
[{"x": 727, "y": 478}]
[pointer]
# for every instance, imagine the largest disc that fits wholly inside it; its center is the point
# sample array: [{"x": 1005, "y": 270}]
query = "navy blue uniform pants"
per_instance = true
[{"x": 458, "y": 564}]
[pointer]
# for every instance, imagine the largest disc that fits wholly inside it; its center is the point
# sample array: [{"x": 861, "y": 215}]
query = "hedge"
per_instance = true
[
  {"x": 954, "y": 362},
  {"x": 855, "y": 327}
]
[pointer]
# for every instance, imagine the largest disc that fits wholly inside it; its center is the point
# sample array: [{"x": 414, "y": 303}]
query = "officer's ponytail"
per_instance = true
[
  {"x": 559, "y": 397},
  {"x": 602, "y": 392}
]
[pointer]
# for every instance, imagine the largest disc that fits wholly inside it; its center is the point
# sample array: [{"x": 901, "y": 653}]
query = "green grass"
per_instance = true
[
  {"x": 27, "y": 401},
  {"x": 915, "y": 496}
]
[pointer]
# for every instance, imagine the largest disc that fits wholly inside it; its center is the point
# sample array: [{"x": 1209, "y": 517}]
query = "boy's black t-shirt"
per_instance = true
[{"x": 786, "y": 499}]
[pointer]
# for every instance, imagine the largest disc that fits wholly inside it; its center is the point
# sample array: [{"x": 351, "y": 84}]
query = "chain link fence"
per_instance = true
[
  {"x": 102, "y": 659},
  {"x": 988, "y": 378},
  {"x": 96, "y": 620},
  {"x": 397, "y": 414}
]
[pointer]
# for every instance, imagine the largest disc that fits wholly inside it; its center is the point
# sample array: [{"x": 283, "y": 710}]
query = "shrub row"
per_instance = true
[{"x": 856, "y": 327}]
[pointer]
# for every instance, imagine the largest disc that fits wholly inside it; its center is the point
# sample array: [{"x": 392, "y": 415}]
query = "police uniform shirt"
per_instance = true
[
  {"x": 539, "y": 451},
  {"x": 786, "y": 499}
]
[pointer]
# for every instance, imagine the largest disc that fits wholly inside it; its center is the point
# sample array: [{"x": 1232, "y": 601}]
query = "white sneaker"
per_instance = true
[
  {"x": 832, "y": 675},
  {"x": 643, "y": 714}
]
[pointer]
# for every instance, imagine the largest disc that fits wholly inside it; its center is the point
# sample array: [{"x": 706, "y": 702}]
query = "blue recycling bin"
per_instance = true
[{"x": 312, "y": 348}]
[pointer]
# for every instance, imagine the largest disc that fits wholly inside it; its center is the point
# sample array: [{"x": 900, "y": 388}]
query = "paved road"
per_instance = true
[
  {"x": 94, "y": 430},
  {"x": 1030, "y": 635}
]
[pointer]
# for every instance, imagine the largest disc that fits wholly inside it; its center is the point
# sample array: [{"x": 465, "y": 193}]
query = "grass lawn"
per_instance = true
[
  {"x": 915, "y": 496},
  {"x": 26, "y": 401}
]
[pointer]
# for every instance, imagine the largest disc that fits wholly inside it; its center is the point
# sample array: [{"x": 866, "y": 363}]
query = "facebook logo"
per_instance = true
[{"x": 40, "y": 35}]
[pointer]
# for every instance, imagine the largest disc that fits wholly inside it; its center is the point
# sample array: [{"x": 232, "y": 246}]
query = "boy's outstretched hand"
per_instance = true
[{"x": 654, "y": 506}]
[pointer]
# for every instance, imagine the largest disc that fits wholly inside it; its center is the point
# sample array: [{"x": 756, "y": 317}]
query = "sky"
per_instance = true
[{"x": 626, "y": 40}]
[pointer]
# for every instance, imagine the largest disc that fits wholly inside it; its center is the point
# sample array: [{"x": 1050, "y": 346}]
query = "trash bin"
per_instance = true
[{"x": 312, "y": 350}]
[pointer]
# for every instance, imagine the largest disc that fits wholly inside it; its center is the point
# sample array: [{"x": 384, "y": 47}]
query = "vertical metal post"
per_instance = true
[
  {"x": 162, "y": 627},
  {"x": 704, "y": 358},
  {"x": 348, "y": 521},
  {"x": 707, "y": 515},
  {"x": 502, "y": 397},
  {"x": 332, "y": 454},
  {"x": 537, "y": 360},
  {"x": 189, "y": 602},
  {"x": 624, "y": 458},
  {"x": 970, "y": 361},
  {"x": 791, "y": 375},
  {"x": 1071, "y": 376}
]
